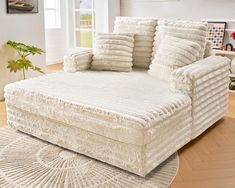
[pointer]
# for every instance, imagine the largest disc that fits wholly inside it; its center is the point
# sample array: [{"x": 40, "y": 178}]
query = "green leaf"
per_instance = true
[
  {"x": 24, "y": 51},
  {"x": 23, "y": 48},
  {"x": 13, "y": 66},
  {"x": 36, "y": 69}
]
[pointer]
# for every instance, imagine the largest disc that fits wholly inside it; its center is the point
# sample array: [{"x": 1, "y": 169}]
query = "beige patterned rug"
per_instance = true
[{"x": 28, "y": 162}]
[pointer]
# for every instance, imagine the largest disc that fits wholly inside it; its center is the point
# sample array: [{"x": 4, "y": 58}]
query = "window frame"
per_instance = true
[
  {"x": 77, "y": 43},
  {"x": 57, "y": 10}
]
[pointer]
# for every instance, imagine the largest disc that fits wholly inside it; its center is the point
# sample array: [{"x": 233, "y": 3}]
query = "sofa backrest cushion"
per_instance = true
[
  {"x": 172, "y": 54},
  {"x": 189, "y": 30},
  {"x": 113, "y": 52},
  {"x": 208, "y": 49},
  {"x": 144, "y": 30}
]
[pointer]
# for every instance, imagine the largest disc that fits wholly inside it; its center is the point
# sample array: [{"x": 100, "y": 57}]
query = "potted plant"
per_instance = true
[{"x": 23, "y": 63}]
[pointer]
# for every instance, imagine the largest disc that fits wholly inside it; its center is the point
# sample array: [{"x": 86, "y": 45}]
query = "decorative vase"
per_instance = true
[{"x": 232, "y": 85}]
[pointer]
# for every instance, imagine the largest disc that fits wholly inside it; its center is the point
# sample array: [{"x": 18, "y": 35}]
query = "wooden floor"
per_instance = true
[{"x": 208, "y": 161}]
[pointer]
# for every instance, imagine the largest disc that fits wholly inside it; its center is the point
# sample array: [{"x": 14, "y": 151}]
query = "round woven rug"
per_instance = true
[{"x": 29, "y": 162}]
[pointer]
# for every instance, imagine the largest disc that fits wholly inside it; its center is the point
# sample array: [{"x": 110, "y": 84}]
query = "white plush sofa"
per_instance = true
[{"x": 127, "y": 119}]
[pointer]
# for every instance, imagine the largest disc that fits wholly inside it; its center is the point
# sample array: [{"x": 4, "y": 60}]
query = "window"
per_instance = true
[
  {"x": 84, "y": 23},
  {"x": 52, "y": 14}
]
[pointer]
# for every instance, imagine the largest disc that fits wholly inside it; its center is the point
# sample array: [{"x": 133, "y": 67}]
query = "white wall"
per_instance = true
[
  {"x": 27, "y": 28},
  {"x": 210, "y": 10},
  {"x": 57, "y": 39},
  {"x": 105, "y": 14},
  {"x": 190, "y": 9}
]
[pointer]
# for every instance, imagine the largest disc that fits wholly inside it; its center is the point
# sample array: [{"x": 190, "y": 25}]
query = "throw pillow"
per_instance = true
[
  {"x": 189, "y": 30},
  {"x": 172, "y": 54},
  {"x": 113, "y": 52}
]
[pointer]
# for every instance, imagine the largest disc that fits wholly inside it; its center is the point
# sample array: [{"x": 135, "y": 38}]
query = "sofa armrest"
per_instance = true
[
  {"x": 77, "y": 61},
  {"x": 206, "y": 82},
  {"x": 189, "y": 79}
]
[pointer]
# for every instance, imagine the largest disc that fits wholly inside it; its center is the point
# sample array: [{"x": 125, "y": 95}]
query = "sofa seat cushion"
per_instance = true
[{"x": 127, "y": 107}]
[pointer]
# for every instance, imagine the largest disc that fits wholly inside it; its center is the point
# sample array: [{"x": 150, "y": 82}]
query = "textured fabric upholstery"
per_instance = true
[
  {"x": 77, "y": 60},
  {"x": 208, "y": 49},
  {"x": 144, "y": 30},
  {"x": 105, "y": 115},
  {"x": 172, "y": 54},
  {"x": 206, "y": 82},
  {"x": 130, "y": 120},
  {"x": 113, "y": 52},
  {"x": 189, "y": 30}
]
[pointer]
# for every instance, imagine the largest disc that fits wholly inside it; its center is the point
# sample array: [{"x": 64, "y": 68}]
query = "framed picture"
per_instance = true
[
  {"x": 22, "y": 6},
  {"x": 216, "y": 31}
]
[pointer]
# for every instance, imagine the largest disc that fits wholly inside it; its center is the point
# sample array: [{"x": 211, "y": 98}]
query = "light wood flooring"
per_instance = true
[{"x": 206, "y": 162}]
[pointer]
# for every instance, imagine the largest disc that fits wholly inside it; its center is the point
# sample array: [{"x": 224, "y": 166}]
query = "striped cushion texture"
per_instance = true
[
  {"x": 144, "y": 30},
  {"x": 105, "y": 115},
  {"x": 113, "y": 52},
  {"x": 206, "y": 82},
  {"x": 172, "y": 54},
  {"x": 189, "y": 30}
]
